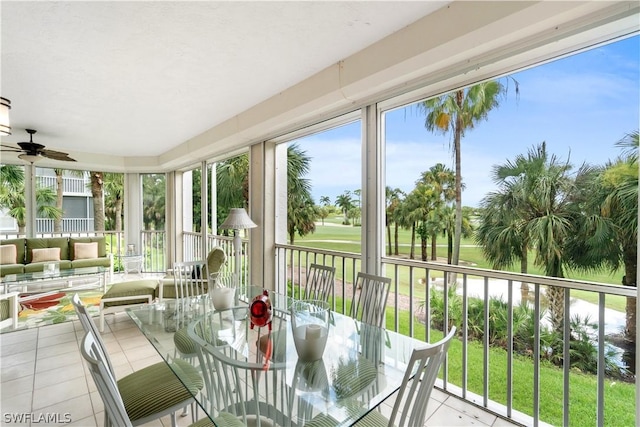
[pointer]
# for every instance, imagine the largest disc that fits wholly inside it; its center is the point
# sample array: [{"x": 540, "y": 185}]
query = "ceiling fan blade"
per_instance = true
[
  {"x": 9, "y": 148},
  {"x": 57, "y": 155}
]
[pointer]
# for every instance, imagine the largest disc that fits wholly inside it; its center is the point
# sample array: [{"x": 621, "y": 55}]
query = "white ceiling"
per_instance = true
[{"x": 141, "y": 78}]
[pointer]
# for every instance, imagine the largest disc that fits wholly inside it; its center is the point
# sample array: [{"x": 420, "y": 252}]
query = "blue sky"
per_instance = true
[{"x": 580, "y": 105}]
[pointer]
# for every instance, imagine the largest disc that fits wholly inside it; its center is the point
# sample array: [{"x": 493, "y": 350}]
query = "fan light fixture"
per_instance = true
[
  {"x": 5, "y": 106},
  {"x": 30, "y": 157}
]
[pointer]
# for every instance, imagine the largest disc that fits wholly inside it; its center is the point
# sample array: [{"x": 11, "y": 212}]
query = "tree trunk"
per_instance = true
[
  {"x": 449, "y": 247},
  {"x": 456, "y": 151},
  {"x": 97, "y": 182},
  {"x": 423, "y": 248},
  {"x": 119, "y": 203},
  {"x": 630, "y": 253},
  {"x": 412, "y": 254},
  {"x": 434, "y": 252},
  {"x": 524, "y": 286},
  {"x": 555, "y": 299},
  {"x": 57, "y": 223},
  {"x": 395, "y": 233},
  {"x": 389, "y": 243}
]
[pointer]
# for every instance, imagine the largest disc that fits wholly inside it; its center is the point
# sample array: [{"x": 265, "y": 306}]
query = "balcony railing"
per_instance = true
[
  {"x": 423, "y": 298},
  {"x": 69, "y": 225},
  {"x": 71, "y": 186}
]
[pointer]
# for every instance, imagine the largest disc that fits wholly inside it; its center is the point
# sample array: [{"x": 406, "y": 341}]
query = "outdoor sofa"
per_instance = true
[{"x": 25, "y": 255}]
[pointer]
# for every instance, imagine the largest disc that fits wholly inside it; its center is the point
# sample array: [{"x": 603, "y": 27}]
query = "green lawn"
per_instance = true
[
  {"x": 334, "y": 236},
  {"x": 619, "y": 396}
]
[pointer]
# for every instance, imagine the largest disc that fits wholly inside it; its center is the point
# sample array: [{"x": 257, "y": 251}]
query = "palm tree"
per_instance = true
[
  {"x": 301, "y": 211},
  {"x": 345, "y": 203},
  {"x": 12, "y": 197},
  {"x": 442, "y": 180},
  {"x": 57, "y": 224},
  {"x": 532, "y": 209},
  {"x": 153, "y": 201},
  {"x": 114, "y": 194},
  {"x": 393, "y": 199},
  {"x": 97, "y": 181},
  {"x": 457, "y": 112},
  {"x": 608, "y": 231},
  {"x": 325, "y": 200}
]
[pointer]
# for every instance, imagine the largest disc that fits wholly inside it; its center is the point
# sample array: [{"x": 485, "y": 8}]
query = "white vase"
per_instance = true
[{"x": 310, "y": 326}]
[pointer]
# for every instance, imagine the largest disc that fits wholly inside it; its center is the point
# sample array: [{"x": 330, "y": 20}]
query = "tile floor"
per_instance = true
[{"x": 43, "y": 374}]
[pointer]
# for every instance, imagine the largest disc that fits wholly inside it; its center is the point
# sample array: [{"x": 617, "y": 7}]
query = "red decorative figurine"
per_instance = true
[{"x": 260, "y": 310}]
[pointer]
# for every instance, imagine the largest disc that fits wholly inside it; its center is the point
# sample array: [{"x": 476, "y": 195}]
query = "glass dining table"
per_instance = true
[{"x": 255, "y": 373}]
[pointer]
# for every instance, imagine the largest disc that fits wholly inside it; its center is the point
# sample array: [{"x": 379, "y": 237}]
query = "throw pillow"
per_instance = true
[
  {"x": 85, "y": 250},
  {"x": 46, "y": 254},
  {"x": 8, "y": 254}
]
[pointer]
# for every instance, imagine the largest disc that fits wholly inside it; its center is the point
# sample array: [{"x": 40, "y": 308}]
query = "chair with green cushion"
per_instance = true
[
  {"x": 369, "y": 302},
  {"x": 320, "y": 282},
  {"x": 9, "y": 309},
  {"x": 215, "y": 260},
  {"x": 126, "y": 294},
  {"x": 149, "y": 393},
  {"x": 410, "y": 407},
  {"x": 145, "y": 399}
]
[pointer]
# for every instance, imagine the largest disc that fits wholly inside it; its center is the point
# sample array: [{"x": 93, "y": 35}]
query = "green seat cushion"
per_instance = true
[
  {"x": 353, "y": 377},
  {"x": 91, "y": 262},
  {"x": 132, "y": 288},
  {"x": 215, "y": 260},
  {"x": 156, "y": 388},
  {"x": 184, "y": 343},
  {"x": 11, "y": 269},
  {"x": 169, "y": 288},
  {"x": 37, "y": 267},
  {"x": 5, "y": 309},
  {"x": 224, "y": 419},
  {"x": 322, "y": 420}
]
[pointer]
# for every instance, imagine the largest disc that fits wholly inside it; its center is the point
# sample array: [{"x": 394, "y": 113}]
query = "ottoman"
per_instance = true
[{"x": 126, "y": 294}]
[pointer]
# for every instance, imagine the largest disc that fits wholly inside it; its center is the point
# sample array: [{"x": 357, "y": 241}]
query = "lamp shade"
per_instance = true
[
  {"x": 5, "y": 106},
  {"x": 238, "y": 219}
]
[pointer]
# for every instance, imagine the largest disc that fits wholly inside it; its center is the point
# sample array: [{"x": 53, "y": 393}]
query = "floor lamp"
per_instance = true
[{"x": 237, "y": 220}]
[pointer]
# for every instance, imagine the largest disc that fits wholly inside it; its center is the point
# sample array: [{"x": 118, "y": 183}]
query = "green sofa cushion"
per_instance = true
[
  {"x": 42, "y": 243},
  {"x": 156, "y": 388},
  {"x": 20, "y": 249},
  {"x": 11, "y": 269},
  {"x": 36, "y": 267},
  {"x": 92, "y": 262},
  {"x": 102, "y": 249},
  {"x": 130, "y": 289}
]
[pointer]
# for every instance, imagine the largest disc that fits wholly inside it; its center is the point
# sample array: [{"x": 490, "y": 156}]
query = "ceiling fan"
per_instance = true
[{"x": 32, "y": 152}]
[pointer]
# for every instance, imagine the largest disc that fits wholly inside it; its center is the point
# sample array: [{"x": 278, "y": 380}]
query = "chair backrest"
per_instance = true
[
  {"x": 320, "y": 282},
  {"x": 190, "y": 278},
  {"x": 369, "y": 300},
  {"x": 105, "y": 382},
  {"x": 226, "y": 376},
  {"x": 412, "y": 403},
  {"x": 89, "y": 326},
  {"x": 215, "y": 260}
]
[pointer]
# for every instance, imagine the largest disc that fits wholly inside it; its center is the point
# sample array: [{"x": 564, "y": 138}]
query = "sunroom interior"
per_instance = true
[{"x": 163, "y": 88}]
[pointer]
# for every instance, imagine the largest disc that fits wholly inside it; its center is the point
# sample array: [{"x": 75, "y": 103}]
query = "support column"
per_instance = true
[
  {"x": 373, "y": 196},
  {"x": 31, "y": 207},
  {"x": 266, "y": 210},
  {"x": 204, "y": 210},
  {"x": 173, "y": 217},
  {"x": 133, "y": 210},
  {"x": 214, "y": 199}
]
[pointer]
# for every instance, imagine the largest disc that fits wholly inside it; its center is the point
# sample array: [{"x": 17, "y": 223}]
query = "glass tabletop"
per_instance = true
[
  {"x": 256, "y": 373},
  {"x": 53, "y": 274}
]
